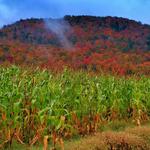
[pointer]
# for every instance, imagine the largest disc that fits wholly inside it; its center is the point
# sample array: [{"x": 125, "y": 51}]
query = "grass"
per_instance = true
[
  {"x": 36, "y": 103},
  {"x": 130, "y": 138}
]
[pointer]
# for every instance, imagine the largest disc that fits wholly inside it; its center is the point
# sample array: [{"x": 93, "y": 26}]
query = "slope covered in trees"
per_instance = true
[{"x": 107, "y": 44}]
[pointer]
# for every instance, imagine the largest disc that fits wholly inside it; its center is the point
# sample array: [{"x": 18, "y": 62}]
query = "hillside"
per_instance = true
[{"x": 107, "y": 44}]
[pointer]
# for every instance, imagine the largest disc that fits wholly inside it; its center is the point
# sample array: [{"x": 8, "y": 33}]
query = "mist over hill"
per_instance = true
[{"x": 111, "y": 44}]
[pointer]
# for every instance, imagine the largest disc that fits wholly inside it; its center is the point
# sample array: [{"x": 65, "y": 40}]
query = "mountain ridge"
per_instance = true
[
  {"x": 37, "y": 26},
  {"x": 103, "y": 43}
]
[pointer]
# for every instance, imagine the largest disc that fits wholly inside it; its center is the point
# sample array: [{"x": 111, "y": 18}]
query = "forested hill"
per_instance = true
[
  {"x": 111, "y": 44},
  {"x": 117, "y": 32}
]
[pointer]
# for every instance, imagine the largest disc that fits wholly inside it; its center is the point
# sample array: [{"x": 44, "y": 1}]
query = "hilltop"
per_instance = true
[{"x": 108, "y": 44}]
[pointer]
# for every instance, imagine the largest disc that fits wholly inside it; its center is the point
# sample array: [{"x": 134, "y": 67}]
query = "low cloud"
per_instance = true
[{"x": 59, "y": 27}]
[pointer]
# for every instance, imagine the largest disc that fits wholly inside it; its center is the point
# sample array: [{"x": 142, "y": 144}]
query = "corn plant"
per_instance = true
[{"x": 38, "y": 104}]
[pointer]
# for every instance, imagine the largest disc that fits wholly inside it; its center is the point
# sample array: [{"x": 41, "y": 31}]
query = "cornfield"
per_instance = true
[{"x": 37, "y": 105}]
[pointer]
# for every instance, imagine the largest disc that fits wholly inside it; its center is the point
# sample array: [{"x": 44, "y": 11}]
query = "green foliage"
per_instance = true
[{"x": 31, "y": 99}]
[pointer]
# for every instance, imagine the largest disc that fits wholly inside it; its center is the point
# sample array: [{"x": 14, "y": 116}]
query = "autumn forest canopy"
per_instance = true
[{"x": 97, "y": 44}]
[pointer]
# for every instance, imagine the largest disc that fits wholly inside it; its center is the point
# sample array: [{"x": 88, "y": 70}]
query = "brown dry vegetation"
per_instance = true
[
  {"x": 143, "y": 132},
  {"x": 131, "y": 139}
]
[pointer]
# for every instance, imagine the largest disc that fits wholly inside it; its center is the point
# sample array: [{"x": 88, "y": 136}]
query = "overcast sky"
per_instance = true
[{"x": 13, "y": 10}]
